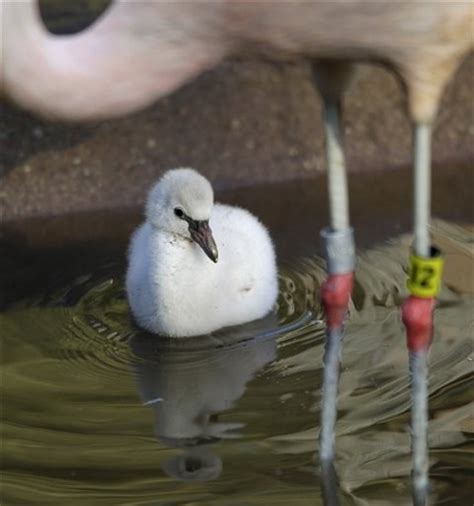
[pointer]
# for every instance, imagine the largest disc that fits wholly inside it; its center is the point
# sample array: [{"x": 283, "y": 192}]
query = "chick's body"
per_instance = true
[{"x": 174, "y": 289}]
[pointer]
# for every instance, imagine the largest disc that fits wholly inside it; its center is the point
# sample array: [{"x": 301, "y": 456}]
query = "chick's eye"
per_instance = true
[{"x": 178, "y": 212}]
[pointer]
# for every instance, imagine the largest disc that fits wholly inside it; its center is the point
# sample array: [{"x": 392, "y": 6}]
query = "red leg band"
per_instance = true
[
  {"x": 417, "y": 316},
  {"x": 335, "y": 295}
]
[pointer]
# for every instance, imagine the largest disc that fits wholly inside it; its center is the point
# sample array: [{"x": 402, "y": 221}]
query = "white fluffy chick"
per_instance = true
[{"x": 195, "y": 266}]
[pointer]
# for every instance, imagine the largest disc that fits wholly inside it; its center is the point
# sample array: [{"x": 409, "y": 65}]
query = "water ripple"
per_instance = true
[{"x": 120, "y": 413}]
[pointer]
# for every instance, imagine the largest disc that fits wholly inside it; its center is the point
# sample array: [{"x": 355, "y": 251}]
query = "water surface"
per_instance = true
[{"x": 96, "y": 411}]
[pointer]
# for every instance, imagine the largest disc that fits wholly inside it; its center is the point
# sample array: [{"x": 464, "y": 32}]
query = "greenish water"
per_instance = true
[{"x": 97, "y": 412}]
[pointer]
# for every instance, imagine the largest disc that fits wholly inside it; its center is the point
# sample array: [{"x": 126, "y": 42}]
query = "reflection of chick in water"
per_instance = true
[{"x": 187, "y": 389}]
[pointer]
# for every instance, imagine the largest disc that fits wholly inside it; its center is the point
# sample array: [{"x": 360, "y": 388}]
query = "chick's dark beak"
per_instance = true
[{"x": 201, "y": 233}]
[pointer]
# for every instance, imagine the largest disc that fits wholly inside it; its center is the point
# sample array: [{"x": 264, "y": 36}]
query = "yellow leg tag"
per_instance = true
[{"x": 424, "y": 274}]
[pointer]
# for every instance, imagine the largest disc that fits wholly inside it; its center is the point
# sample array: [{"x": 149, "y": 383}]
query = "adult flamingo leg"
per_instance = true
[
  {"x": 418, "y": 312},
  {"x": 332, "y": 80}
]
